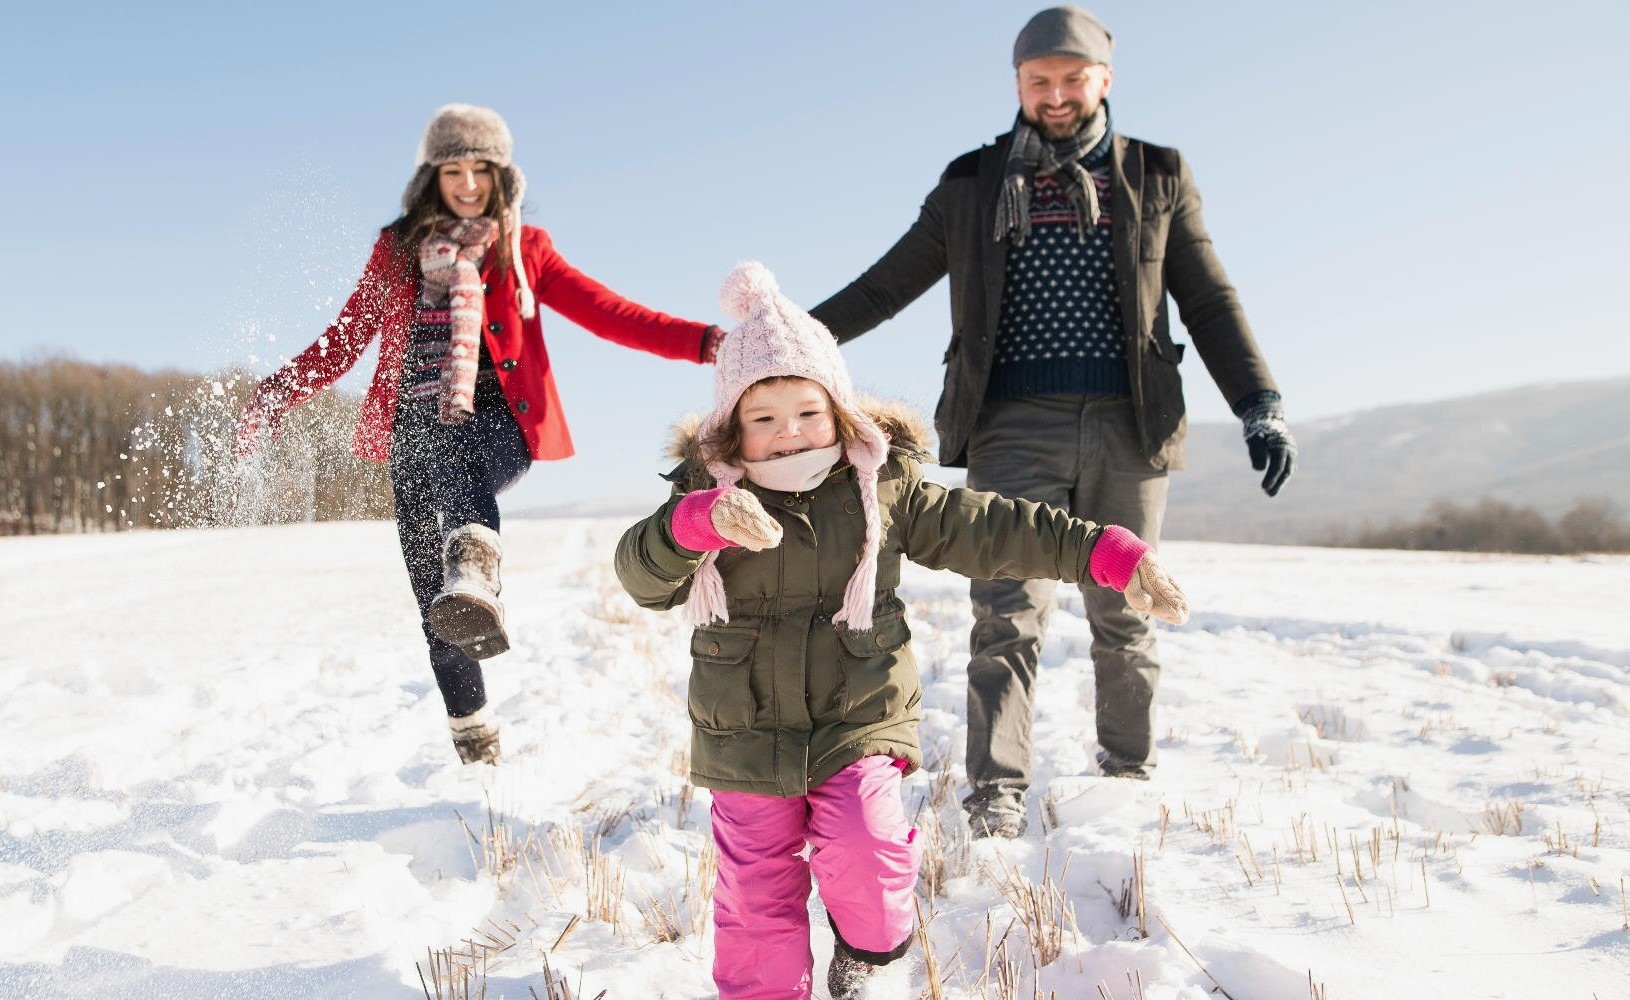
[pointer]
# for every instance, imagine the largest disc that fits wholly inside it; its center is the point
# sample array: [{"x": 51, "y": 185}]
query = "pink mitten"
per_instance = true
[
  {"x": 1124, "y": 561},
  {"x": 715, "y": 519}
]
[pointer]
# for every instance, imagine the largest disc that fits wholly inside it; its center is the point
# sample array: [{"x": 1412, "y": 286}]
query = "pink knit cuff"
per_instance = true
[
  {"x": 1115, "y": 558},
  {"x": 693, "y": 521}
]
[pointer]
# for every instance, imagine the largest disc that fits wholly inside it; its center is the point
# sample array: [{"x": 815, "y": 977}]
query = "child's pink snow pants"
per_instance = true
[{"x": 862, "y": 851}]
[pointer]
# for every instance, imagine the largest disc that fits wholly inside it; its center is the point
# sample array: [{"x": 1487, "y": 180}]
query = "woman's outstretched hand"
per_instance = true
[
  {"x": 257, "y": 414},
  {"x": 710, "y": 344}
]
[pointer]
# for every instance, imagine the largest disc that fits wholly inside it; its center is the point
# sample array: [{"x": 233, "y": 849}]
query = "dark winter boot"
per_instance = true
[
  {"x": 847, "y": 976},
  {"x": 475, "y": 737},
  {"x": 853, "y": 970},
  {"x": 995, "y": 815},
  {"x": 467, "y": 613}
]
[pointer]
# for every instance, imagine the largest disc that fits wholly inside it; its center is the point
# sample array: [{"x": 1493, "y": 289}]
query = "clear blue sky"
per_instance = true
[{"x": 1415, "y": 200}]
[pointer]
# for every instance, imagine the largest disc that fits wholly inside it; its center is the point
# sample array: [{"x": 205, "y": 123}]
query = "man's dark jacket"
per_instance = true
[{"x": 1160, "y": 246}]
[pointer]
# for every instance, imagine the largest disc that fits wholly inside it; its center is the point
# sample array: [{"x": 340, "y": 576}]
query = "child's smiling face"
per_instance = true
[{"x": 783, "y": 417}]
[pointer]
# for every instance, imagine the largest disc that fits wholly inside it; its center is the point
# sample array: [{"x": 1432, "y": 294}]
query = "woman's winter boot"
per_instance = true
[
  {"x": 467, "y": 613},
  {"x": 475, "y": 736}
]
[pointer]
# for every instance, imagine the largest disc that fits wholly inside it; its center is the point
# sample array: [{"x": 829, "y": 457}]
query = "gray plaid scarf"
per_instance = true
[{"x": 1030, "y": 154}]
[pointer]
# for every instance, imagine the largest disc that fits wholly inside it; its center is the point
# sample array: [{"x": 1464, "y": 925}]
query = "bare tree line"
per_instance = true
[
  {"x": 91, "y": 447},
  {"x": 1490, "y": 525}
]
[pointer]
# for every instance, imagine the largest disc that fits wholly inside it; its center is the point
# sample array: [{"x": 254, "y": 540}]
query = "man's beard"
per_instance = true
[{"x": 1061, "y": 130}]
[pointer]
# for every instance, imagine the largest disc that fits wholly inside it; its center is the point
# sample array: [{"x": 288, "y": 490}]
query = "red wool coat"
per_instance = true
[{"x": 383, "y": 305}]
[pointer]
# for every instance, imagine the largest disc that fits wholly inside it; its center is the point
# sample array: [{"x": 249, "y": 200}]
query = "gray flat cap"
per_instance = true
[{"x": 1064, "y": 31}]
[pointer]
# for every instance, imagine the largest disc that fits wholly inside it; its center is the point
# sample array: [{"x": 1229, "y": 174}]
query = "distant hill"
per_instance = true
[{"x": 1545, "y": 446}]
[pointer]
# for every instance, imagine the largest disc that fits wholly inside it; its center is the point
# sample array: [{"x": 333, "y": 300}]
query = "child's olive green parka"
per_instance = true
[{"x": 780, "y": 698}]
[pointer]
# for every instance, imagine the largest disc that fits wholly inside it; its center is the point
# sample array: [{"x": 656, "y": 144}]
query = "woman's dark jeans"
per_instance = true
[{"x": 444, "y": 477}]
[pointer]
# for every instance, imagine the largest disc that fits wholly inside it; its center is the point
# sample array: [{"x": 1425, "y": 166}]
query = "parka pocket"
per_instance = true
[
  {"x": 721, "y": 695},
  {"x": 1156, "y": 224},
  {"x": 880, "y": 673}
]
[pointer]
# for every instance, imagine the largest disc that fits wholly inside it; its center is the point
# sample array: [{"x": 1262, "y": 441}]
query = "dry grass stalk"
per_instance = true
[
  {"x": 1048, "y": 814},
  {"x": 1134, "y": 983},
  {"x": 683, "y": 800},
  {"x": 934, "y": 873},
  {"x": 1008, "y": 974},
  {"x": 1165, "y": 821},
  {"x": 1307, "y": 845},
  {"x": 1139, "y": 867},
  {"x": 998, "y": 962},
  {"x": 460, "y": 973},
  {"x": 565, "y": 932},
  {"x": 662, "y": 919},
  {"x": 603, "y": 886},
  {"x": 1331, "y": 723},
  {"x": 699, "y": 885},
  {"x": 931, "y": 969},
  {"x": 1351, "y": 917},
  {"x": 1218, "y": 824},
  {"x": 1503, "y": 818},
  {"x": 1560, "y": 845},
  {"x": 1315, "y": 991},
  {"x": 1216, "y": 986},
  {"x": 1045, "y": 911},
  {"x": 557, "y": 987},
  {"x": 609, "y": 818}
]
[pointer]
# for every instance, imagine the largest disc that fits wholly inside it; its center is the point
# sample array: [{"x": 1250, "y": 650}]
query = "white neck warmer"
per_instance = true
[{"x": 794, "y": 473}]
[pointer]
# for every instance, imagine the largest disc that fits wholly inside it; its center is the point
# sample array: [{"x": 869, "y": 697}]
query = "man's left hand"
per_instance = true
[{"x": 1267, "y": 437}]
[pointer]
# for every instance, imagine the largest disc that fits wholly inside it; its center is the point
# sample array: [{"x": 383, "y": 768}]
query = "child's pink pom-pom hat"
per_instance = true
[{"x": 775, "y": 338}]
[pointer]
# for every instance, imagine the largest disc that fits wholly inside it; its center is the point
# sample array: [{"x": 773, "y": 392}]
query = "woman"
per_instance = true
[{"x": 464, "y": 398}]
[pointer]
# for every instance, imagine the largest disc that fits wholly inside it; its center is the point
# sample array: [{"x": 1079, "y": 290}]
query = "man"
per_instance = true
[{"x": 1062, "y": 240}]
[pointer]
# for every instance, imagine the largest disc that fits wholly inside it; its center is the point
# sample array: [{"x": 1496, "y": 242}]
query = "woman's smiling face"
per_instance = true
[{"x": 466, "y": 187}]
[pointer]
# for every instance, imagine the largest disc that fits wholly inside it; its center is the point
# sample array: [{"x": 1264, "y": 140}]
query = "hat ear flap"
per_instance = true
[{"x": 514, "y": 187}]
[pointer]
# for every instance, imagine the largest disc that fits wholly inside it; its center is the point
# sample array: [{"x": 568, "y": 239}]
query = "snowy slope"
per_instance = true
[{"x": 224, "y": 772}]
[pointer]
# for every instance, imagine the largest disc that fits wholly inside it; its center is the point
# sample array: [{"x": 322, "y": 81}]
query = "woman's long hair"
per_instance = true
[{"x": 429, "y": 211}]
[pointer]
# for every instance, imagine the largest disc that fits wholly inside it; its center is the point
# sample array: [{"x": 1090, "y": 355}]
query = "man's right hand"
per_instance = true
[{"x": 1267, "y": 438}]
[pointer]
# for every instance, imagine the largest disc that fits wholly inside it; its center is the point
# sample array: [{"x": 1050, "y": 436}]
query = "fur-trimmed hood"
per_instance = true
[{"x": 907, "y": 431}]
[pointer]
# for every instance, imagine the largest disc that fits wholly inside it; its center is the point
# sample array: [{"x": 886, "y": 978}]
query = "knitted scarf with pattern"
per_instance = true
[
  {"x": 450, "y": 261},
  {"x": 1031, "y": 154}
]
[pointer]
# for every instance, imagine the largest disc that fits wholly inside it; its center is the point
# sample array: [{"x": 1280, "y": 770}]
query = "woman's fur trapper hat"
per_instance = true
[
  {"x": 466, "y": 132},
  {"x": 774, "y": 338}
]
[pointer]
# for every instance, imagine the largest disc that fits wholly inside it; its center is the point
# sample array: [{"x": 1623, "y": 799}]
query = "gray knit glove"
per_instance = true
[{"x": 1267, "y": 437}]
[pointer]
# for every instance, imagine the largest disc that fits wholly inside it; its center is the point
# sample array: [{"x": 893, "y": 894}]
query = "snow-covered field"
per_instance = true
[{"x": 224, "y": 772}]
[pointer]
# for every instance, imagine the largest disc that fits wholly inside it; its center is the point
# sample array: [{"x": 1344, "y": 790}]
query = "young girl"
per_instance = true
[
  {"x": 464, "y": 398},
  {"x": 783, "y": 540}
]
